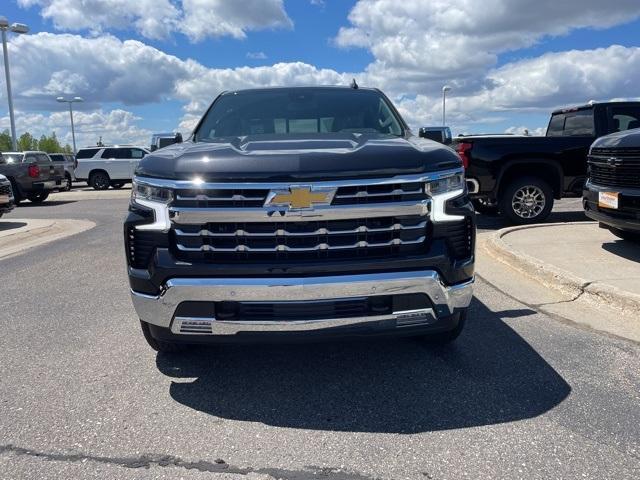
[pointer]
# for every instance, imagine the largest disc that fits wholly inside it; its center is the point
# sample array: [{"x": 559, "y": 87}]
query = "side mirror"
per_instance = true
[
  {"x": 437, "y": 134},
  {"x": 178, "y": 138}
]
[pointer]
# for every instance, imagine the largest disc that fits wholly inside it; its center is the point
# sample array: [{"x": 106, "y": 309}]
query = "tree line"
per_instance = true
[{"x": 26, "y": 141}]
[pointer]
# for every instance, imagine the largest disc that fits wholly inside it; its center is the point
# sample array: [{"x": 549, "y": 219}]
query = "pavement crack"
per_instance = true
[
  {"x": 158, "y": 460},
  {"x": 582, "y": 291},
  {"x": 143, "y": 461}
]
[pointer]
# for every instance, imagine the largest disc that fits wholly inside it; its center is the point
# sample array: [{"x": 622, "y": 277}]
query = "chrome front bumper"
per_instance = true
[{"x": 159, "y": 310}]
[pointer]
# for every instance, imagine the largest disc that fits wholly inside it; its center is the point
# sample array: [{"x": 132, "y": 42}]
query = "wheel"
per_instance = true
[
  {"x": 38, "y": 197},
  {"x": 483, "y": 206},
  {"x": 67, "y": 183},
  {"x": 17, "y": 198},
  {"x": 117, "y": 185},
  {"x": 443, "y": 338},
  {"x": 160, "y": 345},
  {"x": 99, "y": 180},
  {"x": 526, "y": 200},
  {"x": 626, "y": 235}
]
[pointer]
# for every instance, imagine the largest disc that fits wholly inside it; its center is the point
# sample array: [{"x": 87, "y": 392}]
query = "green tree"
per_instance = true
[
  {"x": 5, "y": 141},
  {"x": 49, "y": 144},
  {"x": 27, "y": 142},
  {"x": 67, "y": 149}
]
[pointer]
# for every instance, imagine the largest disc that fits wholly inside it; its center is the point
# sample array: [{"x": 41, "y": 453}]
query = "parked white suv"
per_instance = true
[{"x": 113, "y": 166}]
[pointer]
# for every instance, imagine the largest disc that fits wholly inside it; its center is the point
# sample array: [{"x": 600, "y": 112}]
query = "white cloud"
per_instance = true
[
  {"x": 217, "y": 18},
  {"x": 419, "y": 45},
  {"x": 256, "y": 55},
  {"x": 106, "y": 70},
  {"x": 114, "y": 126},
  {"x": 101, "y": 69},
  {"x": 157, "y": 19},
  {"x": 557, "y": 79},
  {"x": 151, "y": 18},
  {"x": 534, "y": 132}
]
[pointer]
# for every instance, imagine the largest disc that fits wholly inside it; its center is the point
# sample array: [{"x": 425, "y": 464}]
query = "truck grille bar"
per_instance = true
[
  {"x": 335, "y": 220},
  {"x": 612, "y": 167}
]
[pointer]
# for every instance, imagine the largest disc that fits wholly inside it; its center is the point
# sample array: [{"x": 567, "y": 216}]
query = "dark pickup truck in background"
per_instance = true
[
  {"x": 520, "y": 176},
  {"x": 32, "y": 175},
  {"x": 612, "y": 192}
]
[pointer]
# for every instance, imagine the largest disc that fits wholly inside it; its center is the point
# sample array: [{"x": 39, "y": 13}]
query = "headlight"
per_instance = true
[
  {"x": 149, "y": 193},
  {"x": 444, "y": 185}
]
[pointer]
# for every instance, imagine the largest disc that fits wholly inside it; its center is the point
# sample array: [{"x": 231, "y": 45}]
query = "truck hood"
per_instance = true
[
  {"x": 298, "y": 157},
  {"x": 625, "y": 139}
]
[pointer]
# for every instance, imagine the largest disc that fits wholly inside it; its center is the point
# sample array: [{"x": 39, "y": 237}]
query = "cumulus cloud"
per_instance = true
[
  {"x": 101, "y": 69},
  {"x": 256, "y": 55},
  {"x": 106, "y": 70},
  {"x": 157, "y": 19},
  {"x": 151, "y": 18},
  {"x": 418, "y": 45},
  {"x": 561, "y": 78},
  {"x": 114, "y": 126},
  {"x": 217, "y": 18}
]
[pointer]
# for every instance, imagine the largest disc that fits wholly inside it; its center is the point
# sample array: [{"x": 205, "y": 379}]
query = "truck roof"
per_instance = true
[
  {"x": 319, "y": 87},
  {"x": 26, "y": 151},
  {"x": 591, "y": 105}
]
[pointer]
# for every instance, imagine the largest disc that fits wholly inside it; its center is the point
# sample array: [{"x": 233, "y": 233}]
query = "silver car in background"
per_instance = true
[
  {"x": 69, "y": 162},
  {"x": 6, "y": 196}
]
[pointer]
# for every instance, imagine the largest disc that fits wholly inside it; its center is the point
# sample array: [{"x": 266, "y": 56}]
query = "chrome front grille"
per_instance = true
[
  {"x": 274, "y": 222},
  {"x": 220, "y": 198},
  {"x": 394, "y": 192},
  {"x": 300, "y": 240}
]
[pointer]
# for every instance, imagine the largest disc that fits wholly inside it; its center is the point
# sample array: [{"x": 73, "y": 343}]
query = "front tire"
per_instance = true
[
  {"x": 626, "y": 235},
  {"x": 99, "y": 180},
  {"x": 444, "y": 338},
  {"x": 527, "y": 200},
  {"x": 68, "y": 183},
  {"x": 38, "y": 197},
  {"x": 483, "y": 206},
  {"x": 160, "y": 345}
]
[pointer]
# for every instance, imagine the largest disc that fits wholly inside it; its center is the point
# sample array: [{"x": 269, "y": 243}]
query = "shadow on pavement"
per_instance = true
[
  {"x": 46, "y": 203},
  {"x": 623, "y": 248},
  {"x": 9, "y": 225},
  {"x": 490, "y": 375},
  {"x": 496, "y": 222}
]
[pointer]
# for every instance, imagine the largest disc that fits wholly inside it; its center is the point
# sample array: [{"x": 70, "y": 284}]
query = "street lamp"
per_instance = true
[
  {"x": 15, "y": 28},
  {"x": 71, "y": 101},
  {"x": 445, "y": 89}
]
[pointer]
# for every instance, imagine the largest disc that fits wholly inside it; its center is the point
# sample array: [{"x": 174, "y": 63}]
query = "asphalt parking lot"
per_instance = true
[{"x": 520, "y": 395}]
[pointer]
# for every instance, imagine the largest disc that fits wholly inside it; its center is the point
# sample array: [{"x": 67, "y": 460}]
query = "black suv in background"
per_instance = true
[
  {"x": 612, "y": 192},
  {"x": 520, "y": 176},
  {"x": 300, "y": 213}
]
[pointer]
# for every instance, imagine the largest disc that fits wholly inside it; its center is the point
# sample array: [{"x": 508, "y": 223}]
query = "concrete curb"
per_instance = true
[
  {"x": 556, "y": 278},
  {"x": 37, "y": 232}
]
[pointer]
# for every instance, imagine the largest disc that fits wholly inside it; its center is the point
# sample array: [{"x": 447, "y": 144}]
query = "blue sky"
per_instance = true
[{"x": 508, "y": 67}]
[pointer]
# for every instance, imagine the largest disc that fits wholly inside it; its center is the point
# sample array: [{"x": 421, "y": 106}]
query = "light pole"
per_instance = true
[
  {"x": 71, "y": 101},
  {"x": 445, "y": 89},
  {"x": 15, "y": 28}
]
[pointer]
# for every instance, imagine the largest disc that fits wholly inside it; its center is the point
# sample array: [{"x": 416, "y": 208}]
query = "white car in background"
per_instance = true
[{"x": 102, "y": 167}]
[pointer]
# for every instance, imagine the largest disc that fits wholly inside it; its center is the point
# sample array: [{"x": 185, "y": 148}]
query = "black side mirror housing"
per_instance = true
[
  {"x": 437, "y": 134},
  {"x": 178, "y": 137}
]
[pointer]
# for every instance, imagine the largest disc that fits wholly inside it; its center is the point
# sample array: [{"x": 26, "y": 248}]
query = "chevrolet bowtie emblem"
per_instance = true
[{"x": 300, "y": 197}]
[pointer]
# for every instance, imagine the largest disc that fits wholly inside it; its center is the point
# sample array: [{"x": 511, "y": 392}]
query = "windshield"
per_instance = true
[
  {"x": 299, "y": 111},
  {"x": 571, "y": 124},
  {"x": 13, "y": 157}
]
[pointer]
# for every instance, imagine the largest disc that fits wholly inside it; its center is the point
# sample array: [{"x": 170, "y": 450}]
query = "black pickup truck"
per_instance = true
[
  {"x": 520, "y": 176},
  {"x": 299, "y": 213}
]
